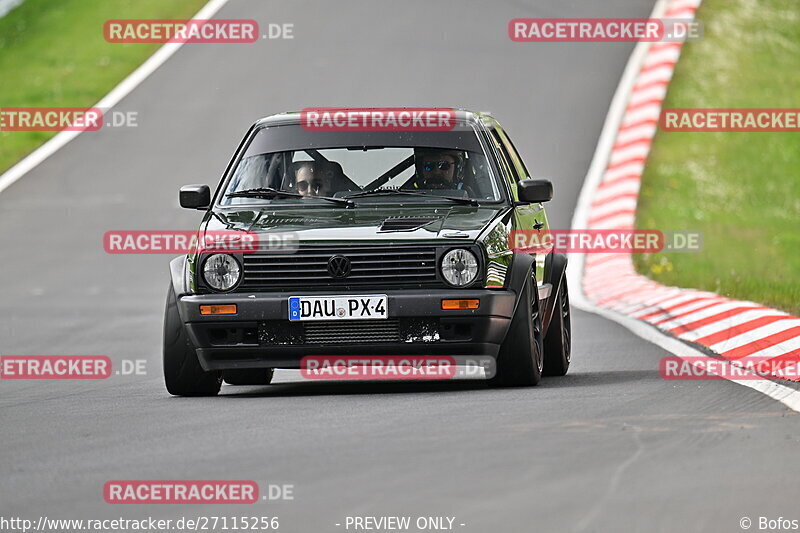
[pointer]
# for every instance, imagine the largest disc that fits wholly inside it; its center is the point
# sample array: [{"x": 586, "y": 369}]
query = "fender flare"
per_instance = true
[
  {"x": 522, "y": 266},
  {"x": 555, "y": 267},
  {"x": 178, "y": 278}
]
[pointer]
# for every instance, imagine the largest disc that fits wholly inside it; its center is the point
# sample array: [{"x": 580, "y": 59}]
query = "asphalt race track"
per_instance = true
[{"x": 609, "y": 447}]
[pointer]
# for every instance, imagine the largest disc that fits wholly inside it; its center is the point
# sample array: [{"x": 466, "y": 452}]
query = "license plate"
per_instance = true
[{"x": 367, "y": 307}]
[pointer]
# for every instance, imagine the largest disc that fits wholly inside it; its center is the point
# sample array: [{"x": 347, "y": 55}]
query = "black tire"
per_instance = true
[
  {"x": 520, "y": 360},
  {"x": 249, "y": 376},
  {"x": 183, "y": 374},
  {"x": 558, "y": 341}
]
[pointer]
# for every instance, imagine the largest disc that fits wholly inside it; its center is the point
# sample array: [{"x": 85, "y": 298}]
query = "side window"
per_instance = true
[
  {"x": 505, "y": 162},
  {"x": 515, "y": 158}
]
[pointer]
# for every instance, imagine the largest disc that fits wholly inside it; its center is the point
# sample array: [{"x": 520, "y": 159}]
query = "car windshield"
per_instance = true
[{"x": 420, "y": 167}]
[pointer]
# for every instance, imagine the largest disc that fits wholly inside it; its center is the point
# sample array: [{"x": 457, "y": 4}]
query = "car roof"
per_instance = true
[{"x": 480, "y": 118}]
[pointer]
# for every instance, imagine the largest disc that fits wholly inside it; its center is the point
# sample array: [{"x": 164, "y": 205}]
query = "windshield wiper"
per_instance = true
[
  {"x": 269, "y": 193},
  {"x": 389, "y": 192}
]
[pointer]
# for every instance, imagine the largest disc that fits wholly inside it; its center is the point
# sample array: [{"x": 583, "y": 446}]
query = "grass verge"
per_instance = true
[
  {"x": 741, "y": 190},
  {"x": 53, "y": 54}
]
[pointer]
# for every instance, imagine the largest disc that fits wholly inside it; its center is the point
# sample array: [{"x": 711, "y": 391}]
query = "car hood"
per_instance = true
[{"x": 364, "y": 223}]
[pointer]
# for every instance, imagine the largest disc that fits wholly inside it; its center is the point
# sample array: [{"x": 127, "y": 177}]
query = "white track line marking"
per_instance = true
[{"x": 110, "y": 100}]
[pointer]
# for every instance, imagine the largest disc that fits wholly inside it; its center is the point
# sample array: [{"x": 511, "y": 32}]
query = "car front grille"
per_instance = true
[
  {"x": 282, "y": 332},
  {"x": 370, "y": 266},
  {"x": 353, "y": 333}
]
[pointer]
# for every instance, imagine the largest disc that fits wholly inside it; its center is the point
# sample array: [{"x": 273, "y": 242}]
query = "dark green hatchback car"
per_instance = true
[{"x": 367, "y": 242}]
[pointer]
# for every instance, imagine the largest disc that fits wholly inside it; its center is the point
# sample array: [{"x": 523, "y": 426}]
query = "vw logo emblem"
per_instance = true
[{"x": 339, "y": 266}]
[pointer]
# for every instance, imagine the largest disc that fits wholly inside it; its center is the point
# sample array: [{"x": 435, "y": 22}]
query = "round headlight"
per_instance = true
[
  {"x": 221, "y": 272},
  {"x": 459, "y": 267}
]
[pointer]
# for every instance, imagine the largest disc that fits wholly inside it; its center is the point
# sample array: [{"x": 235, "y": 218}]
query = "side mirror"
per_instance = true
[
  {"x": 195, "y": 196},
  {"x": 534, "y": 191}
]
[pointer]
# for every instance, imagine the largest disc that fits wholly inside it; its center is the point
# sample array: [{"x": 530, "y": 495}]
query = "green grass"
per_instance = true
[
  {"x": 53, "y": 54},
  {"x": 741, "y": 190}
]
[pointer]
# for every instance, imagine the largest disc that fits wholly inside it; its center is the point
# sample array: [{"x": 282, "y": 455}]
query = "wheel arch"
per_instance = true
[
  {"x": 555, "y": 267},
  {"x": 178, "y": 278},
  {"x": 522, "y": 265}
]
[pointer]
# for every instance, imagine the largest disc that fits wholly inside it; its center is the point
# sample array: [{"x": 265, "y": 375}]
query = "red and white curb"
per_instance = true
[{"x": 608, "y": 283}]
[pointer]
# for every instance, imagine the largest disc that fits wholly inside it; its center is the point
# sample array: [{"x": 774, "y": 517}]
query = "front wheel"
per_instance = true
[
  {"x": 558, "y": 341},
  {"x": 520, "y": 361},
  {"x": 183, "y": 374}
]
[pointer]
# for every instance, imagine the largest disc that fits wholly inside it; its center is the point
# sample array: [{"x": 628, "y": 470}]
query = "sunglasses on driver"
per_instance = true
[
  {"x": 441, "y": 165},
  {"x": 303, "y": 186}
]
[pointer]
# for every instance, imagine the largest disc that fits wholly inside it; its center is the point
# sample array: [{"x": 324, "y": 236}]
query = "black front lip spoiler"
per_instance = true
[
  {"x": 292, "y": 356},
  {"x": 488, "y": 323}
]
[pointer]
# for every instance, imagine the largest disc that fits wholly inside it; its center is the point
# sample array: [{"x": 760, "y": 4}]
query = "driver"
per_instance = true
[
  {"x": 310, "y": 180},
  {"x": 437, "y": 169}
]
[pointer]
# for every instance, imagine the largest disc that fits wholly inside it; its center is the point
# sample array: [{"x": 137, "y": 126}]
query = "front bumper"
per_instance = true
[{"x": 260, "y": 335}]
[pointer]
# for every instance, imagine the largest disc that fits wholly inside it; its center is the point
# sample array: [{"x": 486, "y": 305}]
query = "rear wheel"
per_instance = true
[
  {"x": 183, "y": 374},
  {"x": 250, "y": 376},
  {"x": 558, "y": 341},
  {"x": 520, "y": 361}
]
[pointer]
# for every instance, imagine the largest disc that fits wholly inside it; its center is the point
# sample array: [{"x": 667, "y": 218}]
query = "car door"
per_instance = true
[{"x": 530, "y": 217}]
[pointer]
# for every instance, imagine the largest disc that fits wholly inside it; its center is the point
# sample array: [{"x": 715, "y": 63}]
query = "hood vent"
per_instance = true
[
  {"x": 288, "y": 220},
  {"x": 406, "y": 223}
]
